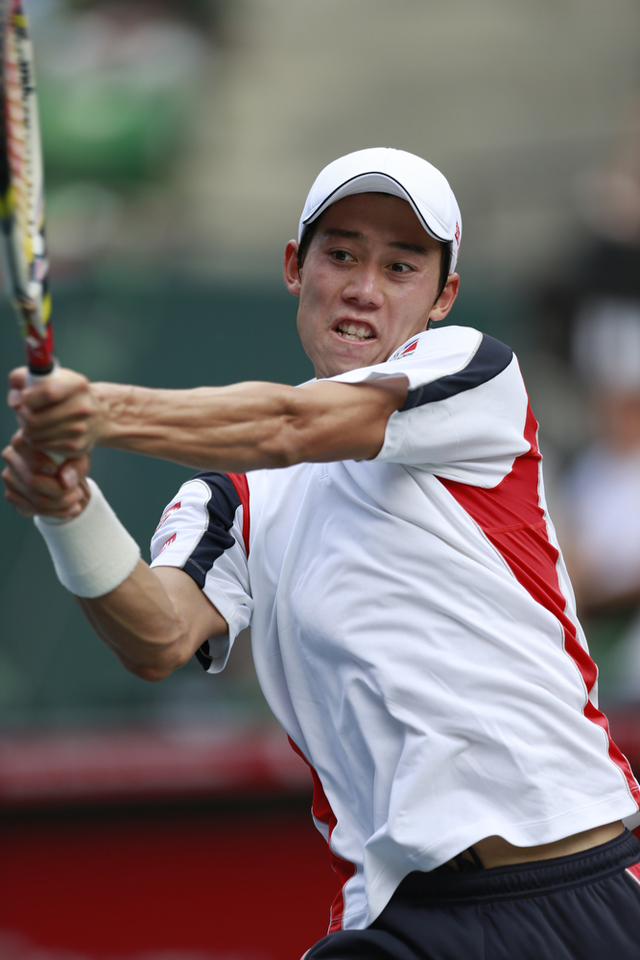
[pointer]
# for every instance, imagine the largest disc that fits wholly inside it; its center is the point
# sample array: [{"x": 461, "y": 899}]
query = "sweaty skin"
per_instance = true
[{"x": 369, "y": 282}]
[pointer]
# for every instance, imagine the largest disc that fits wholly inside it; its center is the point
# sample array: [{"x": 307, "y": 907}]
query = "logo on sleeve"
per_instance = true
[
  {"x": 406, "y": 350},
  {"x": 165, "y": 516},
  {"x": 168, "y": 542},
  {"x": 409, "y": 348}
]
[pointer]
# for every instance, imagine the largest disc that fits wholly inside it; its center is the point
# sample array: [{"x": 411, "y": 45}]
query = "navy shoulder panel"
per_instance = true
[
  {"x": 221, "y": 508},
  {"x": 490, "y": 359},
  {"x": 202, "y": 656}
]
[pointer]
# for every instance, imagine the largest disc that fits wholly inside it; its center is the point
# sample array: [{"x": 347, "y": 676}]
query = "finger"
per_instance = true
[
  {"x": 26, "y": 509},
  {"x": 65, "y": 445},
  {"x": 66, "y": 428},
  {"x": 68, "y": 476},
  {"x": 38, "y": 461},
  {"x": 18, "y": 502},
  {"x": 17, "y": 383},
  {"x": 29, "y": 503},
  {"x": 74, "y": 471},
  {"x": 55, "y": 390},
  {"x": 40, "y": 489}
]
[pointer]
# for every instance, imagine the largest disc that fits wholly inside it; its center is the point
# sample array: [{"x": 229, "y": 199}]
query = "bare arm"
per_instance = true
[
  {"x": 237, "y": 428},
  {"x": 155, "y": 620}
]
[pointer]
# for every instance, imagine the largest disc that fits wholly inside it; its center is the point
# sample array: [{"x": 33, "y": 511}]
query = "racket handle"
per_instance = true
[{"x": 32, "y": 379}]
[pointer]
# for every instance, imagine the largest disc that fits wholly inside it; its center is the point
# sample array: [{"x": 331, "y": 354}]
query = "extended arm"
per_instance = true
[{"x": 242, "y": 427}]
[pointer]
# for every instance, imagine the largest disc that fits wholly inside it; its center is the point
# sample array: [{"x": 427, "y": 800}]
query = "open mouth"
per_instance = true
[{"x": 355, "y": 331}]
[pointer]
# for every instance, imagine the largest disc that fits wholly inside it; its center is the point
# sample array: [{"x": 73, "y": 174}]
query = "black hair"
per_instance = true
[{"x": 311, "y": 229}]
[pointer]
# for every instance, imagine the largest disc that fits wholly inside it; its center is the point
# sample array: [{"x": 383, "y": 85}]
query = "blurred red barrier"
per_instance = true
[
  {"x": 165, "y": 843},
  {"x": 146, "y": 764}
]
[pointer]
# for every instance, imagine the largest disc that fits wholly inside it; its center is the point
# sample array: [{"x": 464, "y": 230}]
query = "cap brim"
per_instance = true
[{"x": 376, "y": 182}]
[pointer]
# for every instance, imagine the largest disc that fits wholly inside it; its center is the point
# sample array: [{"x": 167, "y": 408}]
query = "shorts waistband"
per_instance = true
[{"x": 524, "y": 879}]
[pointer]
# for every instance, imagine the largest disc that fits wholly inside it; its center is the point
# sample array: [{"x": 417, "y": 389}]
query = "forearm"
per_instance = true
[
  {"x": 232, "y": 428},
  {"x": 247, "y": 426},
  {"x": 141, "y": 624},
  {"x": 154, "y": 620}
]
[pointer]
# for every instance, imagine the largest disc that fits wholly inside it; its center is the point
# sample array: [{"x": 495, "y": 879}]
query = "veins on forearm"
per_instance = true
[{"x": 239, "y": 427}]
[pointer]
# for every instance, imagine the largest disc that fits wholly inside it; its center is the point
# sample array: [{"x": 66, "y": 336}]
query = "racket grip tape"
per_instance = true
[{"x": 32, "y": 380}]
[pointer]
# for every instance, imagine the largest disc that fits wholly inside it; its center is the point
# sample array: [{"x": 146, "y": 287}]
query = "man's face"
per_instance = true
[{"x": 368, "y": 283}]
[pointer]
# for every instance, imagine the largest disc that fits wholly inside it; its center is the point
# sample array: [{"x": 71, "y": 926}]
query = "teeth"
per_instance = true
[{"x": 352, "y": 332}]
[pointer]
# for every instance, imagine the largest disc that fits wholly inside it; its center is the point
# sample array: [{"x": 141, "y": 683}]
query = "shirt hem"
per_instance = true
[{"x": 578, "y": 819}]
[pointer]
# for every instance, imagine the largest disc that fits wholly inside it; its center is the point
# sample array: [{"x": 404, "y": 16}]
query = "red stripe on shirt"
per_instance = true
[
  {"x": 322, "y": 811},
  {"x": 239, "y": 480},
  {"x": 511, "y": 517},
  {"x": 634, "y": 871}
]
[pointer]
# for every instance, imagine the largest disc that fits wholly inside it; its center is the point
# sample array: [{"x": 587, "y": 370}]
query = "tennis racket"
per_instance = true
[{"x": 22, "y": 191}]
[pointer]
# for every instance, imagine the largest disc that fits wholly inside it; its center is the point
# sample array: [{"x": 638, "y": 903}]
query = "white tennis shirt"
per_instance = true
[{"x": 413, "y": 626}]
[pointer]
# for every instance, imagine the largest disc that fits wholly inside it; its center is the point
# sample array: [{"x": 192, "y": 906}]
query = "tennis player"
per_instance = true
[{"x": 384, "y": 530}]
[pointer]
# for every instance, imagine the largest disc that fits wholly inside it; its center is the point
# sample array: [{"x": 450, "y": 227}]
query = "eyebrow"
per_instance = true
[
  {"x": 410, "y": 247},
  {"x": 345, "y": 234},
  {"x": 358, "y": 235}
]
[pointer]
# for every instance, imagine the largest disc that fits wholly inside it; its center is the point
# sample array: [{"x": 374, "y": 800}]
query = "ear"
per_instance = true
[
  {"x": 447, "y": 298},
  {"x": 291, "y": 272}
]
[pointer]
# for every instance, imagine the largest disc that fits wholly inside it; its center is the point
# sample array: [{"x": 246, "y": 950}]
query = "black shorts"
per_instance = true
[{"x": 582, "y": 907}]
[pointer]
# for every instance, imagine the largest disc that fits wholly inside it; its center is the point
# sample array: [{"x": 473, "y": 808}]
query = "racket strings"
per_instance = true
[
  {"x": 18, "y": 150},
  {"x": 22, "y": 188}
]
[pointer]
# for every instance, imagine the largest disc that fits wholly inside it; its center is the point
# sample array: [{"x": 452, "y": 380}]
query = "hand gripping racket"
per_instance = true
[{"x": 22, "y": 191}]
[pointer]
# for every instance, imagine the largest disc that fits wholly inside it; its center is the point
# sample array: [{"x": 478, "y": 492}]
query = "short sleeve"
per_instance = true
[
  {"x": 465, "y": 413},
  {"x": 203, "y": 531}
]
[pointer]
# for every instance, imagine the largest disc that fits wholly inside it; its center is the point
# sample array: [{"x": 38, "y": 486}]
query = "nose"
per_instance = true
[{"x": 364, "y": 286}]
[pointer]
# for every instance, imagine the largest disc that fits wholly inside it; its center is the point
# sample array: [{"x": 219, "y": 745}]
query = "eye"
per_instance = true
[
  {"x": 400, "y": 267},
  {"x": 342, "y": 256}
]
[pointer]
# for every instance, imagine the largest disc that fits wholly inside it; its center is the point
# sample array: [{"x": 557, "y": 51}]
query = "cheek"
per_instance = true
[
  {"x": 413, "y": 312},
  {"x": 317, "y": 289},
  {"x": 314, "y": 304},
  {"x": 308, "y": 321}
]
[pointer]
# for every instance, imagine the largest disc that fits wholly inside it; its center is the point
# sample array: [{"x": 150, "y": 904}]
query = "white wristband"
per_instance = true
[{"x": 93, "y": 553}]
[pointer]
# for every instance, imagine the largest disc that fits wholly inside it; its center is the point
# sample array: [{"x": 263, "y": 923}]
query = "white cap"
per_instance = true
[{"x": 384, "y": 170}]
